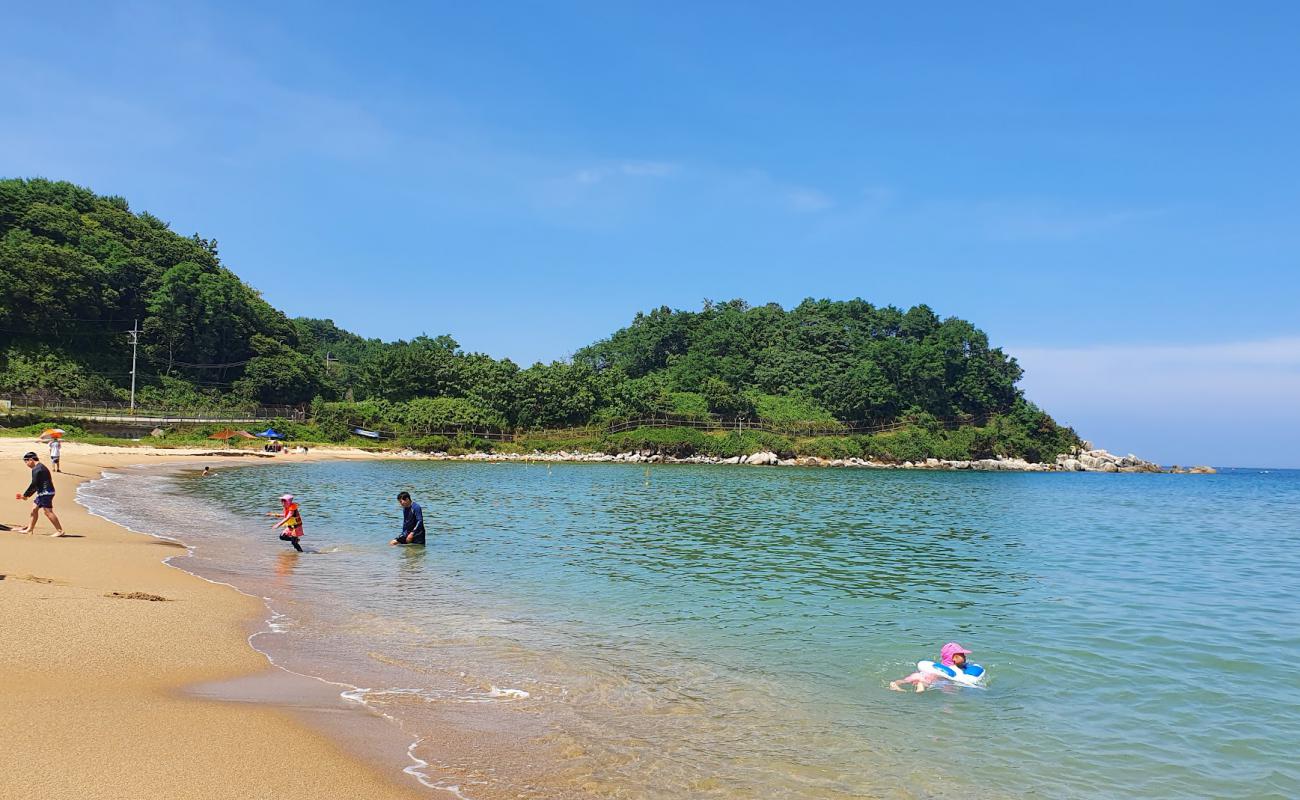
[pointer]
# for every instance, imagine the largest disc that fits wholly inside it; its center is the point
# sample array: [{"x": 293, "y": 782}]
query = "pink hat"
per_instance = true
[{"x": 949, "y": 650}]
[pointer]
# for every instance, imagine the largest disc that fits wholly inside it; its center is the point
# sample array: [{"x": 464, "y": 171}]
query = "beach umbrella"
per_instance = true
[
  {"x": 52, "y": 433},
  {"x": 270, "y": 433}
]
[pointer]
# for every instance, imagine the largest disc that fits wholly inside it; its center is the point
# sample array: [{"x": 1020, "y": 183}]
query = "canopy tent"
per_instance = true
[
  {"x": 270, "y": 433},
  {"x": 366, "y": 433},
  {"x": 229, "y": 434}
]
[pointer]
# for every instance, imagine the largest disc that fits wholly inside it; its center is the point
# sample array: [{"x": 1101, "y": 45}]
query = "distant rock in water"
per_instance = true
[
  {"x": 1103, "y": 461},
  {"x": 1200, "y": 470}
]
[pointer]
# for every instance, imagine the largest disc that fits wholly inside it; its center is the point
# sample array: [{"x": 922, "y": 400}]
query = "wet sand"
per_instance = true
[{"x": 97, "y": 681}]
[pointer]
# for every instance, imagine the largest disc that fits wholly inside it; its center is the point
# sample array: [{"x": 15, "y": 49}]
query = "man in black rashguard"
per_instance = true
[
  {"x": 43, "y": 487},
  {"x": 412, "y": 521}
]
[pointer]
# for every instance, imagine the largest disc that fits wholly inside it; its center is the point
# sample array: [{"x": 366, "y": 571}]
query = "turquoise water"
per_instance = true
[{"x": 730, "y": 632}]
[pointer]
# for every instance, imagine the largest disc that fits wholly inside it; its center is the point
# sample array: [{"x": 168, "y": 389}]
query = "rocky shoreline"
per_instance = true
[{"x": 1091, "y": 460}]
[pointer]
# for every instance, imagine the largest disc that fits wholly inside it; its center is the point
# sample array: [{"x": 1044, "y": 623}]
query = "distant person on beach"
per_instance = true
[
  {"x": 412, "y": 521},
  {"x": 56, "y": 449},
  {"x": 43, "y": 487},
  {"x": 292, "y": 521}
]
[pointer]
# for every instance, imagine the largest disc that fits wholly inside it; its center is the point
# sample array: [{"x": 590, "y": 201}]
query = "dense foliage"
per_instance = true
[{"x": 76, "y": 269}]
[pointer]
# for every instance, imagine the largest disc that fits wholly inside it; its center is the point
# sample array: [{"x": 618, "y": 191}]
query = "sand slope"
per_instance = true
[{"x": 91, "y": 683}]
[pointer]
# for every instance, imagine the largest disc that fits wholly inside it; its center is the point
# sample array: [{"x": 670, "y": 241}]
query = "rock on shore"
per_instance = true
[
  {"x": 1090, "y": 460},
  {"x": 1103, "y": 461}
]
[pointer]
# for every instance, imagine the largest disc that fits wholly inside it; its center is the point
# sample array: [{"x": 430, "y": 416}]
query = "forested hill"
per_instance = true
[{"x": 77, "y": 268}]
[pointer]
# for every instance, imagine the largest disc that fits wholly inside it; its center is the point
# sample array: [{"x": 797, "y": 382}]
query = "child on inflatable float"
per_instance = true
[{"x": 952, "y": 666}]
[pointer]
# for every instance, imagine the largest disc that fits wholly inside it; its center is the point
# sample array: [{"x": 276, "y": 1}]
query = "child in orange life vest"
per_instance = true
[{"x": 292, "y": 522}]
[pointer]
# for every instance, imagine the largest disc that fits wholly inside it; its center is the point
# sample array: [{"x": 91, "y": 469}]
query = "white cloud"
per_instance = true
[
  {"x": 626, "y": 169},
  {"x": 1234, "y": 402},
  {"x": 808, "y": 200}
]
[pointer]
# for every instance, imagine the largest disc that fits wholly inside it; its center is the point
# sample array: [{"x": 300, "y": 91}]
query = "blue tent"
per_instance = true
[{"x": 270, "y": 433}]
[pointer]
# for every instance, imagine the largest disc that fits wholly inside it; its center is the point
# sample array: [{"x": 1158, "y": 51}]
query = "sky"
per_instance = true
[{"x": 1111, "y": 191}]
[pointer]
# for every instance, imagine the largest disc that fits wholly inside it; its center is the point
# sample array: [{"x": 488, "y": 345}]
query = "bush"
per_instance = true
[
  {"x": 688, "y": 404},
  {"x": 743, "y": 443},
  {"x": 470, "y": 443},
  {"x": 675, "y": 442},
  {"x": 447, "y": 413},
  {"x": 909, "y": 444},
  {"x": 831, "y": 447},
  {"x": 336, "y": 420},
  {"x": 790, "y": 408},
  {"x": 954, "y": 445},
  {"x": 428, "y": 444},
  {"x": 39, "y": 370},
  {"x": 528, "y": 444},
  {"x": 28, "y": 428}
]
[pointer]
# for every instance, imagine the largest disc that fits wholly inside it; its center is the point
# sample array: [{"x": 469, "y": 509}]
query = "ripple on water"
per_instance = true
[{"x": 729, "y": 633}]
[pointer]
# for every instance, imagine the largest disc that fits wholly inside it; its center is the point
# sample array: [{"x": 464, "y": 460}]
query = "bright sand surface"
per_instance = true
[{"x": 93, "y": 685}]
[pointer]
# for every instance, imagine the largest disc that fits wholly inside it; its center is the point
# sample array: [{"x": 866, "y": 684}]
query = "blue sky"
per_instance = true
[{"x": 1111, "y": 192}]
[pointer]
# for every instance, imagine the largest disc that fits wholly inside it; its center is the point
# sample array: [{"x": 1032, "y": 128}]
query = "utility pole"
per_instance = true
[{"x": 135, "y": 341}]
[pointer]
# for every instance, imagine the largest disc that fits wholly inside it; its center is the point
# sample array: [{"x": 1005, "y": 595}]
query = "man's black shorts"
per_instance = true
[
  {"x": 411, "y": 538},
  {"x": 45, "y": 501}
]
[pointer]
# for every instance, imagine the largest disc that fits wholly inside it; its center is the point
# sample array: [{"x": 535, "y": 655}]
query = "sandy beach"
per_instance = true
[{"x": 94, "y": 684}]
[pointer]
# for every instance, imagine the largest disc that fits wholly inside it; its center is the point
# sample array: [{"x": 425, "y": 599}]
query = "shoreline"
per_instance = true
[
  {"x": 1086, "y": 461},
  {"x": 105, "y": 689},
  {"x": 1083, "y": 460},
  {"x": 175, "y": 672}
]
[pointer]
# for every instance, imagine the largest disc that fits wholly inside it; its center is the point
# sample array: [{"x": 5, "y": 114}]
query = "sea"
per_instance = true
[{"x": 682, "y": 631}]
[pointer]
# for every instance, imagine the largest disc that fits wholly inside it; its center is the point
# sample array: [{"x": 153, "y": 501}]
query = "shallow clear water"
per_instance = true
[{"x": 730, "y": 632}]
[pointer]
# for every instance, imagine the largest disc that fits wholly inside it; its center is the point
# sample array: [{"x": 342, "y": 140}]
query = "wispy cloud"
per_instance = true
[
  {"x": 626, "y": 169},
  {"x": 1046, "y": 221},
  {"x": 1237, "y": 402},
  {"x": 804, "y": 199}
]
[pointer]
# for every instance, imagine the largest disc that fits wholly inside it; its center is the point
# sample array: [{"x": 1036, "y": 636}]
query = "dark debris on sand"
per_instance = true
[{"x": 137, "y": 596}]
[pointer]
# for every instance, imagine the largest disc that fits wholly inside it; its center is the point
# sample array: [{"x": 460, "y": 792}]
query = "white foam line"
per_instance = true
[{"x": 350, "y": 693}]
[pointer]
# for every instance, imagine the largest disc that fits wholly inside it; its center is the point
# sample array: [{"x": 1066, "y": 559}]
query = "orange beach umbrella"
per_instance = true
[{"x": 52, "y": 433}]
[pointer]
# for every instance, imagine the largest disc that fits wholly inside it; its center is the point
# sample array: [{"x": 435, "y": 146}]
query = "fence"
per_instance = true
[
  {"x": 106, "y": 411},
  {"x": 809, "y": 428},
  {"x": 712, "y": 423},
  {"x": 100, "y": 411}
]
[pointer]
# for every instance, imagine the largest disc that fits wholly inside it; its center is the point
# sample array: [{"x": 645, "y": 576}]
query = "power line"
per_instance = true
[
  {"x": 58, "y": 333},
  {"x": 171, "y": 362},
  {"x": 99, "y": 321}
]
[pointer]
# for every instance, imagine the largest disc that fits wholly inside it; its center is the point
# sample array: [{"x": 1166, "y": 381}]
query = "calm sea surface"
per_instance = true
[{"x": 687, "y": 631}]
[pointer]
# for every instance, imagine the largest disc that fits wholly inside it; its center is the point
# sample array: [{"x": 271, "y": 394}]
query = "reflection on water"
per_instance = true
[{"x": 712, "y": 632}]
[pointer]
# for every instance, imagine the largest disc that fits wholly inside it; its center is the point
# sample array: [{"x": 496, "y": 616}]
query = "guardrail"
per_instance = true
[{"x": 109, "y": 411}]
